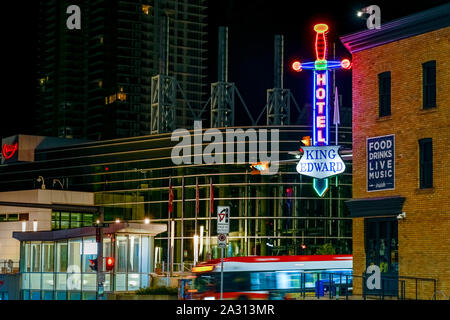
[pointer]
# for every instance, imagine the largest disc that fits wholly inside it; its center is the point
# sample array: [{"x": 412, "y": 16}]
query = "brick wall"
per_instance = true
[{"x": 424, "y": 236}]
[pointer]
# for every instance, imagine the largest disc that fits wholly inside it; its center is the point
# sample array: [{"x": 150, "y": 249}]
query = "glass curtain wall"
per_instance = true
[{"x": 270, "y": 215}]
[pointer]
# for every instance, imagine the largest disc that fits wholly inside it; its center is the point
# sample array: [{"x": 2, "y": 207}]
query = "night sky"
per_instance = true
[{"x": 252, "y": 25}]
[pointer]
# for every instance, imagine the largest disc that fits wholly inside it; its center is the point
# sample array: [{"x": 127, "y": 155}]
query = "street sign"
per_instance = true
[
  {"x": 223, "y": 219},
  {"x": 222, "y": 240}
]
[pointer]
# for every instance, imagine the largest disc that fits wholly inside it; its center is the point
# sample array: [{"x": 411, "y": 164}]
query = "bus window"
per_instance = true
[
  {"x": 295, "y": 280},
  {"x": 310, "y": 280},
  {"x": 203, "y": 283},
  {"x": 262, "y": 280},
  {"x": 234, "y": 281}
]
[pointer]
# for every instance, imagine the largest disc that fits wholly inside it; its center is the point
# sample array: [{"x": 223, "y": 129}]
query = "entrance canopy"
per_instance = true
[
  {"x": 375, "y": 207},
  {"x": 125, "y": 227}
]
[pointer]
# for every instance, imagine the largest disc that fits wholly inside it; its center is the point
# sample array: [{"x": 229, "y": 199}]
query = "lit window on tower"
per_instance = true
[
  {"x": 146, "y": 8},
  {"x": 121, "y": 95}
]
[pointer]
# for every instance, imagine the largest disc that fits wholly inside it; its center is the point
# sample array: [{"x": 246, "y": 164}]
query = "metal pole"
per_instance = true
[
  {"x": 346, "y": 287},
  {"x": 168, "y": 236},
  {"x": 210, "y": 222},
  {"x": 168, "y": 249},
  {"x": 318, "y": 285},
  {"x": 182, "y": 226},
  {"x": 330, "y": 287},
  {"x": 303, "y": 285},
  {"x": 221, "y": 273},
  {"x": 334, "y": 86},
  {"x": 100, "y": 273},
  {"x": 197, "y": 204},
  {"x": 172, "y": 245}
]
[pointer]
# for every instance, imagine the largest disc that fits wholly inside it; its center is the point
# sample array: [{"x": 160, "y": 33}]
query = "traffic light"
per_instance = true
[
  {"x": 109, "y": 263},
  {"x": 94, "y": 264}
]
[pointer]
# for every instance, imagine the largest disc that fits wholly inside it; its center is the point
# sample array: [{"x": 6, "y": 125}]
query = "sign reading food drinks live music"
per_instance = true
[{"x": 381, "y": 163}]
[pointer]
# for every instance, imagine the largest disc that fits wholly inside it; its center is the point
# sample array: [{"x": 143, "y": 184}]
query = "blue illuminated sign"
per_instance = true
[{"x": 381, "y": 163}]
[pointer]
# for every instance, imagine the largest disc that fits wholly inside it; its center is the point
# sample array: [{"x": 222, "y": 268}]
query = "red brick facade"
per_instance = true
[{"x": 424, "y": 235}]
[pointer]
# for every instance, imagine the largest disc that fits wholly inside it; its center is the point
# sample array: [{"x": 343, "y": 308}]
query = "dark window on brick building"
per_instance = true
[
  {"x": 384, "y": 86},
  {"x": 426, "y": 163},
  {"x": 429, "y": 84}
]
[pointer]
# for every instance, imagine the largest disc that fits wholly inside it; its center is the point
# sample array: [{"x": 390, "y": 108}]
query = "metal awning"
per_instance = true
[
  {"x": 375, "y": 207},
  {"x": 122, "y": 227},
  {"x": 55, "y": 206}
]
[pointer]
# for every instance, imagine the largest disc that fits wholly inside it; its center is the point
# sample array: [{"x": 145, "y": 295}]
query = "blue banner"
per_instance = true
[{"x": 381, "y": 163}]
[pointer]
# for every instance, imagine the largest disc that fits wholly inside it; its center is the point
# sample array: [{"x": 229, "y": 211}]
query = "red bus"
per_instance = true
[{"x": 269, "y": 277}]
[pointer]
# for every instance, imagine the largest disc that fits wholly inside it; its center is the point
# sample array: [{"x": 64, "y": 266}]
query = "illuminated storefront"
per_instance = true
[{"x": 55, "y": 265}]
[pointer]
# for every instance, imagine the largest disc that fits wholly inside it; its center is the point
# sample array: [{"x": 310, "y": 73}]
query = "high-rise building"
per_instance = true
[
  {"x": 61, "y": 72},
  {"x": 95, "y": 82}
]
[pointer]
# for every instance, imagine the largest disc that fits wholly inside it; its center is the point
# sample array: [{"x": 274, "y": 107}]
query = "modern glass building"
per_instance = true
[
  {"x": 95, "y": 82},
  {"x": 270, "y": 214},
  {"x": 55, "y": 265}
]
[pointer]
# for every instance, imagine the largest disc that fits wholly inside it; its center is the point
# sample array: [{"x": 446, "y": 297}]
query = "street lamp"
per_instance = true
[{"x": 41, "y": 179}]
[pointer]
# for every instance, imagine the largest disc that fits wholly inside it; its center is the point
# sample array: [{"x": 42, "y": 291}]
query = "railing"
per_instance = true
[
  {"x": 9, "y": 266},
  {"x": 403, "y": 288},
  {"x": 324, "y": 285},
  {"x": 400, "y": 287}
]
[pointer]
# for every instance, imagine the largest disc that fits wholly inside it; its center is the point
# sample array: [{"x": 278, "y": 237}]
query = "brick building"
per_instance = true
[{"x": 401, "y": 137}]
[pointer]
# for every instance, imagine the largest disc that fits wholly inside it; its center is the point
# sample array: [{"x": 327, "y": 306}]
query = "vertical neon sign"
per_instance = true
[
  {"x": 320, "y": 68},
  {"x": 320, "y": 109}
]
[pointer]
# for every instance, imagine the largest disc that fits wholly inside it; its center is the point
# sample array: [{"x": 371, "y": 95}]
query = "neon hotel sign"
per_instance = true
[{"x": 320, "y": 68}]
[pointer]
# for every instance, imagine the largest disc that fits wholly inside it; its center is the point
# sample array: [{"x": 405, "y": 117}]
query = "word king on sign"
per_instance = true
[{"x": 223, "y": 219}]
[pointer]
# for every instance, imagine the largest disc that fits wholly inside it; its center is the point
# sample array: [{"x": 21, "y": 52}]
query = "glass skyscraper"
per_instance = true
[{"x": 94, "y": 82}]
